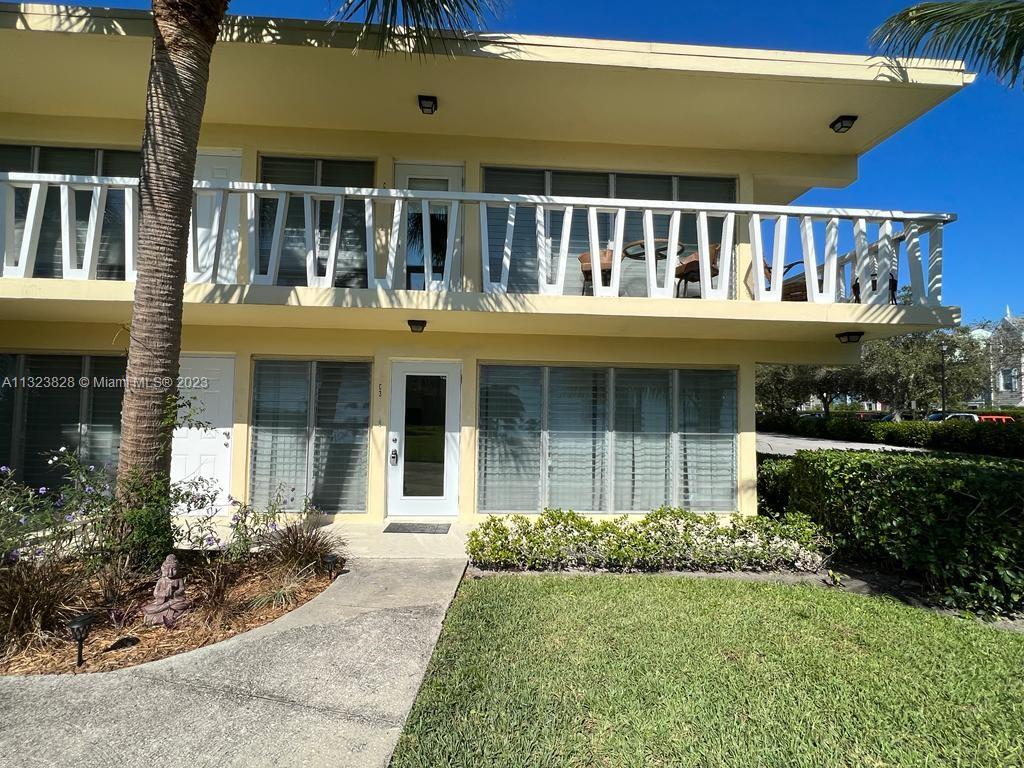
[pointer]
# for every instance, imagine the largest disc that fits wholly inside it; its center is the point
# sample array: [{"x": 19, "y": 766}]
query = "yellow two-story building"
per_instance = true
[{"x": 536, "y": 273}]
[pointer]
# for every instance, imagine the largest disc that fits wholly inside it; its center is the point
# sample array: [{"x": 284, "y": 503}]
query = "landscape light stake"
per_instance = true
[
  {"x": 331, "y": 561},
  {"x": 79, "y": 627}
]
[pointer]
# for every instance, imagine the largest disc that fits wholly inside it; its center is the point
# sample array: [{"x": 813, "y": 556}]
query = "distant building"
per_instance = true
[{"x": 1007, "y": 350}]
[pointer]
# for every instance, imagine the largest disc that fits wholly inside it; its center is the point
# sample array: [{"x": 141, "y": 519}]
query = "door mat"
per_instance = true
[{"x": 417, "y": 528}]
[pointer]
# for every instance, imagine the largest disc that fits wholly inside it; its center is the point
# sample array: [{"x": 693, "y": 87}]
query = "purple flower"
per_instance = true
[
  {"x": 89, "y": 489},
  {"x": 69, "y": 518},
  {"x": 22, "y": 520},
  {"x": 42, "y": 490},
  {"x": 92, "y": 467},
  {"x": 5, "y": 470},
  {"x": 273, "y": 526}
]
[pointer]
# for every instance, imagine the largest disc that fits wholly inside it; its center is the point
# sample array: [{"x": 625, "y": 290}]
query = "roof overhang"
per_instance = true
[{"x": 299, "y": 74}]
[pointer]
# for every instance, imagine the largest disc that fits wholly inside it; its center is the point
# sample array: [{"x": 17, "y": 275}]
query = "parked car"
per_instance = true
[{"x": 960, "y": 416}]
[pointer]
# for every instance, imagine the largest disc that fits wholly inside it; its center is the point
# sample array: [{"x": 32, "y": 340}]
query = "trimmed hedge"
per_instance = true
[
  {"x": 665, "y": 539},
  {"x": 956, "y": 523},
  {"x": 986, "y": 438}
]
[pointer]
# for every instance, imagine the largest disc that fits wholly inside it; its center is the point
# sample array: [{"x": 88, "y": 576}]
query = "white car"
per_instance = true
[{"x": 953, "y": 417}]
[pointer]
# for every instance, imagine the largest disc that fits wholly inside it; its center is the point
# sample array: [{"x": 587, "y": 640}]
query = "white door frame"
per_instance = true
[
  {"x": 446, "y": 505},
  {"x": 453, "y": 175}
]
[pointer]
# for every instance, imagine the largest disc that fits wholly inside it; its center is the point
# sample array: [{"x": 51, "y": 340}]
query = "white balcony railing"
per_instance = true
[{"x": 86, "y": 228}]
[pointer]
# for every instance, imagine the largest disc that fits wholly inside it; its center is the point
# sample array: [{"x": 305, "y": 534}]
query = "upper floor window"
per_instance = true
[
  {"x": 1009, "y": 380},
  {"x": 79, "y": 162},
  {"x": 351, "y": 265},
  {"x": 632, "y": 186}
]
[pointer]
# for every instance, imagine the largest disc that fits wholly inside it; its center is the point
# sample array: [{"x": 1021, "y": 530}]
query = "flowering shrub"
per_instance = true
[{"x": 665, "y": 539}]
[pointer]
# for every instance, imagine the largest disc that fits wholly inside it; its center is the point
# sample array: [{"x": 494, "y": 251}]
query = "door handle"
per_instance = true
[{"x": 394, "y": 457}]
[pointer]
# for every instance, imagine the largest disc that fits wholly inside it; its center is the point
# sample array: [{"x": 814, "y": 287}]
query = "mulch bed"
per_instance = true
[{"x": 108, "y": 647}]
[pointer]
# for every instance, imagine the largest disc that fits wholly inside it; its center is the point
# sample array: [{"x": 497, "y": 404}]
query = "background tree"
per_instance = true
[
  {"x": 184, "y": 35},
  {"x": 987, "y": 34},
  {"x": 781, "y": 389}
]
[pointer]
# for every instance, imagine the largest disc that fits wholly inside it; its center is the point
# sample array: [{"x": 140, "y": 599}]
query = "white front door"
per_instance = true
[
  {"x": 208, "y": 383},
  {"x": 427, "y": 178},
  {"x": 217, "y": 165},
  {"x": 423, "y": 439}
]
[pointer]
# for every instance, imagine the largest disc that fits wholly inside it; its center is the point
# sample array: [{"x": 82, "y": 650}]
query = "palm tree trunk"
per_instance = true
[{"x": 184, "y": 35}]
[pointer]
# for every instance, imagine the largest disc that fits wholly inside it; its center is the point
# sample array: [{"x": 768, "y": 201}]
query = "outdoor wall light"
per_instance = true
[
  {"x": 79, "y": 627},
  {"x": 417, "y": 326},
  {"x": 331, "y": 561},
  {"x": 850, "y": 337},
  {"x": 428, "y": 104},
  {"x": 843, "y": 123}
]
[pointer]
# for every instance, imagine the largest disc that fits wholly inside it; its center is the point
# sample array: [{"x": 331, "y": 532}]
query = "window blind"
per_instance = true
[
  {"x": 280, "y": 428},
  {"x": 522, "y": 276},
  {"x": 577, "y": 438},
  {"x": 8, "y": 369},
  {"x": 102, "y": 432},
  {"x": 509, "y": 440},
  {"x": 333, "y": 420},
  {"x": 52, "y": 416},
  {"x": 341, "y": 436},
  {"x": 547, "y": 435}
]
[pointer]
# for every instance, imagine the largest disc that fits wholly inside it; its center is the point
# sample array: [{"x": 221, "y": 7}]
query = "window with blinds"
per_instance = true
[
  {"x": 606, "y": 440},
  {"x": 351, "y": 265},
  {"x": 81, "y": 162},
  {"x": 310, "y": 423},
  {"x": 36, "y": 421},
  {"x": 635, "y": 186}
]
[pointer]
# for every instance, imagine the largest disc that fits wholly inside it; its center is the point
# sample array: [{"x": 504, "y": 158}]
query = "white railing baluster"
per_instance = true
[
  {"x": 506, "y": 250},
  {"x": 485, "y": 251},
  {"x": 596, "y": 277},
  {"x": 668, "y": 288},
  {"x": 860, "y": 283},
  {"x": 543, "y": 252},
  {"x": 131, "y": 233},
  {"x": 723, "y": 283},
  {"x": 310, "y": 241},
  {"x": 915, "y": 265},
  {"x": 371, "y": 244},
  {"x": 935, "y": 265},
  {"x": 810, "y": 258},
  {"x": 68, "y": 232},
  {"x": 703, "y": 255},
  {"x": 333, "y": 243},
  {"x": 563, "y": 250},
  {"x": 650, "y": 253},
  {"x": 885, "y": 263},
  {"x": 428, "y": 247},
  {"x": 94, "y": 233},
  {"x": 451, "y": 246},
  {"x": 620, "y": 228},
  {"x": 397, "y": 220}
]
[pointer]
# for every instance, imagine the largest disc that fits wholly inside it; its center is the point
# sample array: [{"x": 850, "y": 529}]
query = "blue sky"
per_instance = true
[{"x": 965, "y": 156}]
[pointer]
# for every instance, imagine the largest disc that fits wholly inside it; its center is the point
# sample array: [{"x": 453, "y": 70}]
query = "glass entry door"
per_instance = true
[{"x": 423, "y": 439}]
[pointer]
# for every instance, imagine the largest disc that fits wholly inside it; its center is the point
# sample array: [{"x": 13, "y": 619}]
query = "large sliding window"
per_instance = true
[
  {"x": 43, "y": 406},
  {"x": 310, "y": 423},
  {"x": 606, "y": 439},
  {"x": 80, "y": 162},
  {"x": 630, "y": 186},
  {"x": 351, "y": 265}
]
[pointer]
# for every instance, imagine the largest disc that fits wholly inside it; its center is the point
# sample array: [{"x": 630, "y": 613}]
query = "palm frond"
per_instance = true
[
  {"x": 987, "y": 34},
  {"x": 424, "y": 26}
]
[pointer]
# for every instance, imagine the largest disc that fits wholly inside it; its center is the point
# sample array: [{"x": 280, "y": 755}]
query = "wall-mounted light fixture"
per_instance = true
[
  {"x": 428, "y": 104},
  {"x": 850, "y": 337},
  {"x": 841, "y": 124},
  {"x": 417, "y": 326}
]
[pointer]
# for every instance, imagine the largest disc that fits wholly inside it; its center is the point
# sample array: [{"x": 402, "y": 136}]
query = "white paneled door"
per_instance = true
[
  {"x": 423, "y": 439},
  {"x": 216, "y": 165},
  {"x": 208, "y": 382}
]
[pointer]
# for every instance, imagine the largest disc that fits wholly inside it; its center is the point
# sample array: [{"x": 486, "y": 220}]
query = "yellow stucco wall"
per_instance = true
[{"x": 383, "y": 348}]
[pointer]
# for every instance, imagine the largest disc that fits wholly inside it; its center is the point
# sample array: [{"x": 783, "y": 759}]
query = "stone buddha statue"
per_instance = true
[{"x": 169, "y": 600}]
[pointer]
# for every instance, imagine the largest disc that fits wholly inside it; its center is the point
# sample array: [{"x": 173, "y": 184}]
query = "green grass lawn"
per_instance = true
[{"x": 667, "y": 671}]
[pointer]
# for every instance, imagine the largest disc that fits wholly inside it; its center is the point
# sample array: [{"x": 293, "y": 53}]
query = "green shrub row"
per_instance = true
[
  {"x": 665, "y": 539},
  {"x": 990, "y": 439},
  {"x": 956, "y": 523}
]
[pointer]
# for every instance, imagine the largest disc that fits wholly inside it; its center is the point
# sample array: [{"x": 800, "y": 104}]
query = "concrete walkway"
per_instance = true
[
  {"x": 329, "y": 684},
  {"x": 787, "y": 445}
]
